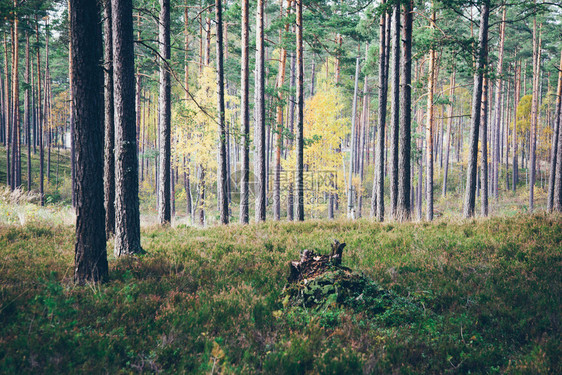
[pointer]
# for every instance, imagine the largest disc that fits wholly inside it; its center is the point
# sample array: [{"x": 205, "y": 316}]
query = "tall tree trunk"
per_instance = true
[
  {"x": 352, "y": 149},
  {"x": 127, "y": 216},
  {"x": 470, "y": 198},
  {"x": 429, "y": 128},
  {"x": 186, "y": 163},
  {"x": 554, "y": 150},
  {"x": 279, "y": 119},
  {"x": 449, "y": 133},
  {"x": 15, "y": 101},
  {"x": 46, "y": 100},
  {"x": 260, "y": 160},
  {"x": 40, "y": 118},
  {"x": 90, "y": 250},
  {"x": 484, "y": 146},
  {"x": 362, "y": 141},
  {"x": 498, "y": 110},
  {"x": 290, "y": 195},
  {"x": 404, "y": 168},
  {"x": 164, "y": 113},
  {"x": 394, "y": 108},
  {"x": 109, "y": 159},
  {"x": 534, "y": 113},
  {"x": 201, "y": 197},
  {"x": 71, "y": 120},
  {"x": 515, "y": 142},
  {"x": 300, "y": 115},
  {"x": 27, "y": 109},
  {"x": 223, "y": 177},
  {"x": 245, "y": 116},
  {"x": 507, "y": 122},
  {"x": 377, "y": 199},
  {"x": 8, "y": 111}
]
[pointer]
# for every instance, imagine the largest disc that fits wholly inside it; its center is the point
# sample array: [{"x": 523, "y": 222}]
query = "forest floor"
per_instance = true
[{"x": 478, "y": 296}]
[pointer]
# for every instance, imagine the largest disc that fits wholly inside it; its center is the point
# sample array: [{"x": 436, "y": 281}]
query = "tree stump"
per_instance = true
[{"x": 311, "y": 264}]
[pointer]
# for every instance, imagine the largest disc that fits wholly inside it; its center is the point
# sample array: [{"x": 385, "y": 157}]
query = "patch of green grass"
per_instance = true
[
  {"x": 487, "y": 299},
  {"x": 58, "y": 187}
]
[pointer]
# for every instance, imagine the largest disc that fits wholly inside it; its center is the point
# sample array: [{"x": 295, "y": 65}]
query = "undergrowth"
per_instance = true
[{"x": 479, "y": 296}]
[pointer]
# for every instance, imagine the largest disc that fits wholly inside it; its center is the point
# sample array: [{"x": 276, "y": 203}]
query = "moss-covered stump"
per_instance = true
[{"x": 317, "y": 283}]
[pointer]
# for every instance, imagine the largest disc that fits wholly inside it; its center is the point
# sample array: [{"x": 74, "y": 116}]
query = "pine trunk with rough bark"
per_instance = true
[
  {"x": 164, "y": 117},
  {"x": 186, "y": 163},
  {"x": 498, "y": 110},
  {"x": 15, "y": 102},
  {"x": 484, "y": 146},
  {"x": 394, "y": 108},
  {"x": 534, "y": 114},
  {"x": 223, "y": 177},
  {"x": 245, "y": 115},
  {"x": 429, "y": 129},
  {"x": 404, "y": 168},
  {"x": 377, "y": 198},
  {"x": 449, "y": 133},
  {"x": 90, "y": 249},
  {"x": 470, "y": 192},
  {"x": 109, "y": 159},
  {"x": 279, "y": 119},
  {"x": 27, "y": 109},
  {"x": 556, "y": 136},
  {"x": 515, "y": 178},
  {"x": 127, "y": 216},
  {"x": 259, "y": 107},
  {"x": 352, "y": 148},
  {"x": 300, "y": 115}
]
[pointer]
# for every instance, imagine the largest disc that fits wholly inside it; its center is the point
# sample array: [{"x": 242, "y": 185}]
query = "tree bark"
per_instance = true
[
  {"x": 109, "y": 159},
  {"x": 90, "y": 249},
  {"x": 40, "y": 119},
  {"x": 245, "y": 116},
  {"x": 186, "y": 163},
  {"x": 394, "y": 108},
  {"x": 300, "y": 115},
  {"x": 515, "y": 142},
  {"x": 279, "y": 119},
  {"x": 498, "y": 109},
  {"x": 260, "y": 161},
  {"x": 429, "y": 129},
  {"x": 15, "y": 101},
  {"x": 164, "y": 113},
  {"x": 534, "y": 113},
  {"x": 223, "y": 177},
  {"x": 484, "y": 147},
  {"x": 404, "y": 168},
  {"x": 201, "y": 198},
  {"x": 352, "y": 148},
  {"x": 556, "y": 136},
  {"x": 377, "y": 199},
  {"x": 470, "y": 193},
  {"x": 127, "y": 216},
  {"x": 27, "y": 109},
  {"x": 449, "y": 133}
]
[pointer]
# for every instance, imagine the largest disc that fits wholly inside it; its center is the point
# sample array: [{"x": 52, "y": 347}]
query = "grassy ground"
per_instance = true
[
  {"x": 57, "y": 187},
  {"x": 487, "y": 298}
]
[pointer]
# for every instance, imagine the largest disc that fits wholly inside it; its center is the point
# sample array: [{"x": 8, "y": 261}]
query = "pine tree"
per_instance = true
[
  {"x": 90, "y": 250},
  {"x": 470, "y": 193},
  {"x": 127, "y": 216},
  {"x": 164, "y": 120},
  {"x": 109, "y": 158}
]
